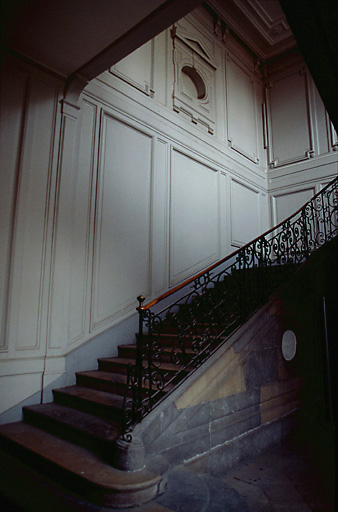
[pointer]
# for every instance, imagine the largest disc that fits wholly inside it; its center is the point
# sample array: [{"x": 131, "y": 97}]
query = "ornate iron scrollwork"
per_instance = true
[{"x": 218, "y": 301}]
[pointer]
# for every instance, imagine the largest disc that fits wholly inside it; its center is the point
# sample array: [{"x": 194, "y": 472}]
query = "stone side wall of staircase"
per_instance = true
[
  {"x": 242, "y": 400},
  {"x": 247, "y": 397},
  {"x": 238, "y": 403}
]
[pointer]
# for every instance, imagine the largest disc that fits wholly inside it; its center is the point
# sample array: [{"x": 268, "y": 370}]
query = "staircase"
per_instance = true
[
  {"x": 73, "y": 439},
  {"x": 78, "y": 447}
]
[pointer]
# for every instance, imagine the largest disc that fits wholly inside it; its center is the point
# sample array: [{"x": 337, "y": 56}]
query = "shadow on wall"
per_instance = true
[{"x": 310, "y": 304}]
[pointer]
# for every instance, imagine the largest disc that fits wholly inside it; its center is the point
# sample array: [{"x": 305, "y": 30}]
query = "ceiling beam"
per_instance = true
[{"x": 159, "y": 20}]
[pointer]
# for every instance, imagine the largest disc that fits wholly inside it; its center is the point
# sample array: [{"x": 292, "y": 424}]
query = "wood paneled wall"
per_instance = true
[{"x": 173, "y": 161}]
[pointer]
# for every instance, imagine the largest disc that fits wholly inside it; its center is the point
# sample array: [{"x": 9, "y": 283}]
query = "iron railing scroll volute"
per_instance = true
[{"x": 204, "y": 310}]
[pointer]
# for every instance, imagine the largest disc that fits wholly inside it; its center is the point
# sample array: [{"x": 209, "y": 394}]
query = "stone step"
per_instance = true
[
  {"x": 169, "y": 337},
  {"x": 108, "y": 382},
  {"x": 76, "y": 468},
  {"x": 96, "y": 434},
  {"x": 92, "y": 401},
  {"x": 197, "y": 329},
  {"x": 168, "y": 353},
  {"x": 102, "y": 381},
  {"x": 119, "y": 365},
  {"x": 166, "y": 338}
]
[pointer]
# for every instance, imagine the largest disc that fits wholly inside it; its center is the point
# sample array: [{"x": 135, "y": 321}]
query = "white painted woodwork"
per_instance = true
[
  {"x": 241, "y": 110},
  {"x": 13, "y": 96},
  {"x": 225, "y": 213},
  {"x": 72, "y": 251},
  {"x": 245, "y": 214},
  {"x": 333, "y": 136},
  {"x": 321, "y": 124},
  {"x": 160, "y": 219},
  {"x": 16, "y": 388},
  {"x": 161, "y": 63},
  {"x": 129, "y": 196},
  {"x": 291, "y": 136},
  {"x": 286, "y": 204},
  {"x": 25, "y": 297},
  {"x": 195, "y": 66},
  {"x": 137, "y": 68},
  {"x": 193, "y": 217},
  {"x": 122, "y": 223}
]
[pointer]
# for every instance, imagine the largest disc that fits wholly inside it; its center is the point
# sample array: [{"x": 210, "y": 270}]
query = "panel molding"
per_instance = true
[
  {"x": 181, "y": 266},
  {"x": 233, "y": 141},
  {"x": 27, "y": 307},
  {"x": 103, "y": 246},
  {"x": 292, "y": 192},
  {"x": 72, "y": 224},
  {"x": 275, "y": 160},
  {"x": 10, "y": 179},
  {"x": 333, "y": 136},
  {"x": 145, "y": 85},
  {"x": 225, "y": 214},
  {"x": 160, "y": 217},
  {"x": 247, "y": 217},
  {"x": 193, "y": 63}
]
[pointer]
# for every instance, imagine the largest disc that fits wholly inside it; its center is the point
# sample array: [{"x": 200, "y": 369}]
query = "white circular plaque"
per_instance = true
[{"x": 289, "y": 345}]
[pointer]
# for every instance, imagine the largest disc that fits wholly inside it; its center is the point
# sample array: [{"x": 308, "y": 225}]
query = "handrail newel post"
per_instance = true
[{"x": 139, "y": 357}]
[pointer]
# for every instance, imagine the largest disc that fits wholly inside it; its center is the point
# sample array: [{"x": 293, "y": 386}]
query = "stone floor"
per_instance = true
[
  {"x": 286, "y": 478},
  {"x": 296, "y": 476}
]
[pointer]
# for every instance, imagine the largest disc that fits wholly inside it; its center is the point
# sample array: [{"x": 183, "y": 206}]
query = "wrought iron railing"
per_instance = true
[{"x": 200, "y": 314}]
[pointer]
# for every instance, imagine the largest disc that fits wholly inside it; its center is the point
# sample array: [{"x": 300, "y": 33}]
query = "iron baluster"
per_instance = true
[
  {"x": 316, "y": 229},
  {"x": 212, "y": 304},
  {"x": 150, "y": 362},
  {"x": 305, "y": 234},
  {"x": 139, "y": 358},
  {"x": 262, "y": 277},
  {"x": 326, "y": 238}
]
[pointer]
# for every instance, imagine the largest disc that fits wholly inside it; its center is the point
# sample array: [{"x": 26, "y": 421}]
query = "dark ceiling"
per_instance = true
[{"x": 85, "y": 37}]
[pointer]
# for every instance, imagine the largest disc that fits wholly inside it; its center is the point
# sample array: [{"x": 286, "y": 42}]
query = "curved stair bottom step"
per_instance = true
[
  {"x": 55, "y": 475},
  {"x": 23, "y": 489}
]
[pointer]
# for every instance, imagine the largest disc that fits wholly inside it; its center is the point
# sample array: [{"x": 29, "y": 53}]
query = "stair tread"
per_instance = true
[
  {"x": 75, "y": 459},
  {"x": 195, "y": 333},
  {"x": 120, "y": 379},
  {"x": 77, "y": 420},
  {"x": 104, "y": 375},
  {"x": 174, "y": 336},
  {"x": 167, "y": 349},
  {"x": 92, "y": 395},
  {"x": 124, "y": 362}
]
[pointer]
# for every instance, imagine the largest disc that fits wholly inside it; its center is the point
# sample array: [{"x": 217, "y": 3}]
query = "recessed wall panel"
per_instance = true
[
  {"x": 245, "y": 214},
  {"x": 72, "y": 231},
  {"x": 159, "y": 261},
  {"x": 137, "y": 68},
  {"x": 290, "y": 128},
  {"x": 323, "y": 137},
  {"x": 122, "y": 228},
  {"x": 241, "y": 110},
  {"x": 194, "y": 217},
  {"x": 25, "y": 297},
  {"x": 17, "y": 388},
  {"x": 13, "y": 95},
  {"x": 285, "y": 205}
]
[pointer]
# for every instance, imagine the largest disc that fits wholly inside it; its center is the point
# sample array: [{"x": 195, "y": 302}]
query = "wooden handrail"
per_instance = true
[
  {"x": 290, "y": 242},
  {"x": 229, "y": 256}
]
